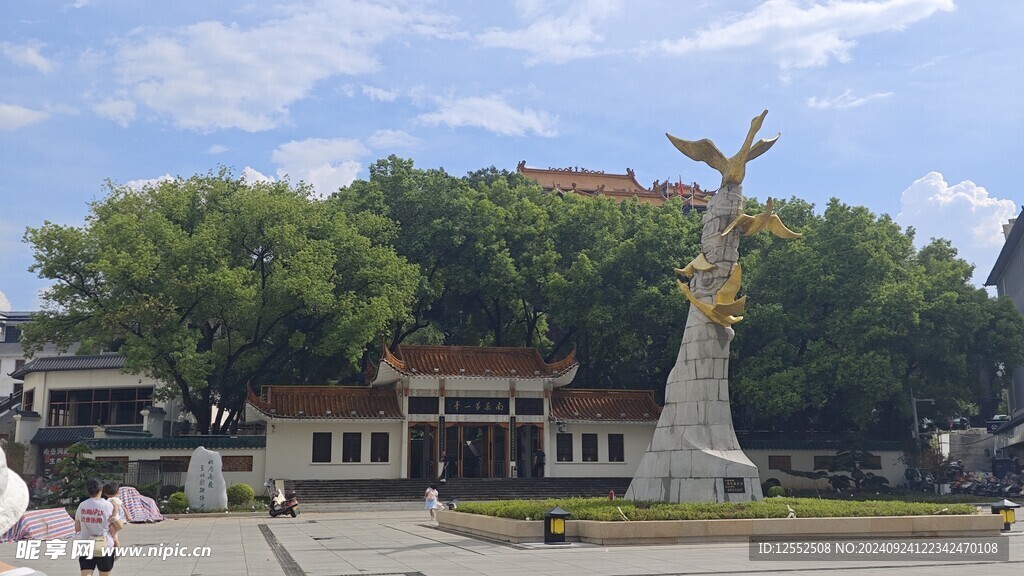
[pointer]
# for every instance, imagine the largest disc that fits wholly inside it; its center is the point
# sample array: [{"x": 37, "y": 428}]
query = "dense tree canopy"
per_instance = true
[{"x": 213, "y": 285}]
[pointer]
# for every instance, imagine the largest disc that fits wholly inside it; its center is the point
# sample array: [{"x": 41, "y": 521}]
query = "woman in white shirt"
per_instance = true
[{"x": 92, "y": 522}]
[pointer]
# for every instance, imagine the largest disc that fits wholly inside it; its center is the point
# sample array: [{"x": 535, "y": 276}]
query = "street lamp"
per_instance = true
[{"x": 913, "y": 404}]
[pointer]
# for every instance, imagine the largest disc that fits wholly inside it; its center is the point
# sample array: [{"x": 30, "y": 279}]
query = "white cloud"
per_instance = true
[
  {"x": 212, "y": 75},
  {"x": 325, "y": 164},
  {"x": 13, "y": 116},
  {"x": 120, "y": 111},
  {"x": 963, "y": 213},
  {"x": 798, "y": 34},
  {"x": 391, "y": 139},
  {"x": 380, "y": 93},
  {"x": 27, "y": 55},
  {"x": 844, "y": 100},
  {"x": 493, "y": 114},
  {"x": 149, "y": 182},
  {"x": 252, "y": 176},
  {"x": 555, "y": 38},
  {"x": 5, "y": 304},
  {"x": 217, "y": 149}
]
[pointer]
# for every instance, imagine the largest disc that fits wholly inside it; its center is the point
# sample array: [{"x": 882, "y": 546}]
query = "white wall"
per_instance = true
[
  {"x": 636, "y": 438},
  {"x": 892, "y": 467},
  {"x": 290, "y": 450},
  {"x": 255, "y": 478}
]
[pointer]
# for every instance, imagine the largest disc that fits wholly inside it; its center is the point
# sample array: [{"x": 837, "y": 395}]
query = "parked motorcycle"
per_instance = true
[{"x": 284, "y": 503}]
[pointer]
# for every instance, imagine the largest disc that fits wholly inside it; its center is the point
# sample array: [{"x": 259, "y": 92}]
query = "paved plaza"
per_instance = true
[{"x": 400, "y": 543}]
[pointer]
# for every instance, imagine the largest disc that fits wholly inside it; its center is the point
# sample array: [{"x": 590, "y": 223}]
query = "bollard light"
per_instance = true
[
  {"x": 1005, "y": 508},
  {"x": 554, "y": 525}
]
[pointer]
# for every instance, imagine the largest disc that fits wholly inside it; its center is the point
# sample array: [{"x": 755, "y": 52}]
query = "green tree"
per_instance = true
[{"x": 213, "y": 285}]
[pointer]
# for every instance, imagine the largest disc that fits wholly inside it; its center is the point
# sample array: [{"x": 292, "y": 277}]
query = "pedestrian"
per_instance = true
[
  {"x": 444, "y": 467},
  {"x": 92, "y": 522},
  {"x": 430, "y": 500},
  {"x": 13, "y": 502},
  {"x": 118, "y": 518},
  {"x": 538, "y": 463}
]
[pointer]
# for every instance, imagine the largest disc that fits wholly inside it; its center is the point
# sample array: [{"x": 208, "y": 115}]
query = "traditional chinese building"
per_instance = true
[{"x": 619, "y": 187}]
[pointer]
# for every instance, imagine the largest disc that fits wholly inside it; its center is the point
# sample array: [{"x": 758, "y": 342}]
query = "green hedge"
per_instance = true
[{"x": 606, "y": 510}]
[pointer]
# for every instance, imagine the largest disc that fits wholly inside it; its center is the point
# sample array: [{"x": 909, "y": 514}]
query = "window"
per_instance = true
[
  {"x": 616, "y": 448},
  {"x": 26, "y": 400},
  {"x": 780, "y": 462},
  {"x": 563, "y": 447},
  {"x": 104, "y": 406},
  {"x": 379, "y": 447},
  {"x": 174, "y": 463},
  {"x": 321, "y": 446},
  {"x": 11, "y": 334},
  {"x": 351, "y": 447},
  {"x": 423, "y": 405},
  {"x": 237, "y": 464},
  {"x": 18, "y": 364},
  {"x": 823, "y": 462},
  {"x": 529, "y": 406},
  {"x": 590, "y": 447},
  {"x": 114, "y": 463},
  {"x": 873, "y": 463}
]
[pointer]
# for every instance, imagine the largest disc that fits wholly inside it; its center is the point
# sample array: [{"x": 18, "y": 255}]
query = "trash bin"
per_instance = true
[
  {"x": 1005, "y": 508},
  {"x": 554, "y": 525}
]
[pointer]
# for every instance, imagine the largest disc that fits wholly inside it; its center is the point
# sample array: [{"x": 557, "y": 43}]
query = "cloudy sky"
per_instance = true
[{"x": 909, "y": 107}]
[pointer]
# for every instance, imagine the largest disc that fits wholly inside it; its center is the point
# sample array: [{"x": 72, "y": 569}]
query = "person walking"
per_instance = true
[
  {"x": 92, "y": 522},
  {"x": 430, "y": 501}
]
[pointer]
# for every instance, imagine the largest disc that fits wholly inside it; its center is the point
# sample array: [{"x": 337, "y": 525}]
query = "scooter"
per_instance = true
[{"x": 284, "y": 503}]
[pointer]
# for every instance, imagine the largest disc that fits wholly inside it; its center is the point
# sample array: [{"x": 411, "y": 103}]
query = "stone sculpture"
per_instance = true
[
  {"x": 694, "y": 455},
  {"x": 204, "y": 484}
]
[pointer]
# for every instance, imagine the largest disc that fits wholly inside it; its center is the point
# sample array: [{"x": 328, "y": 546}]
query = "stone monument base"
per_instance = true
[{"x": 696, "y": 476}]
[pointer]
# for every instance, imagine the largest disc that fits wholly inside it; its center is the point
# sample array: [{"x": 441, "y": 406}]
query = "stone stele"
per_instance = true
[{"x": 204, "y": 485}]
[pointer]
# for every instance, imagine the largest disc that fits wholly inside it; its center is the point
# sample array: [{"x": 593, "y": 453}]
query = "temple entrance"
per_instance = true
[
  {"x": 421, "y": 451},
  {"x": 476, "y": 450}
]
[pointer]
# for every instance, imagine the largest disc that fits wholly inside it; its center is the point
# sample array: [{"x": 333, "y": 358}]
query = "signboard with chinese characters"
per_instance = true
[
  {"x": 469, "y": 405},
  {"x": 53, "y": 455},
  {"x": 734, "y": 486}
]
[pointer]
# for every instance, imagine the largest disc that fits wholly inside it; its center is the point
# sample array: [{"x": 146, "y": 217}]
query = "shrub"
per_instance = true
[
  {"x": 776, "y": 491},
  {"x": 602, "y": 509},
  {"x": 240, "y": 494},
  {"x": 151, "y": 490},
  {"x": 168, "y": 489},
  {"x": 176, "y": 503}
]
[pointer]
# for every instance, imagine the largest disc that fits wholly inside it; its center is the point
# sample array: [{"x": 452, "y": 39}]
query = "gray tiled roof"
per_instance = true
[
  {"x": 184, "y": 442},
  {"x": 61, "y": 435},
  {"x": 64, "y": 363}
]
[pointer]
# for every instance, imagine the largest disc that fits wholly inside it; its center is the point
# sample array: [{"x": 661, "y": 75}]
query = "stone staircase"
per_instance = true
[
  {"x": 969, "y": 446},
  {"x": 465, "y": 490}
]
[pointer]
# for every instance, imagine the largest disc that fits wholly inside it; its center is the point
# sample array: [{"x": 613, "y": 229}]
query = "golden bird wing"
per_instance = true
[
  {"x": 742, "y": 222},
  {"x": 727, "y": 293},
  {"x": 699, "y": 263},
  {"x": 731, "y": 308},
  {"x": 761, "y": 146},
  {"x": 703, "y": 150},
  {"x": 775, "y": 226}
]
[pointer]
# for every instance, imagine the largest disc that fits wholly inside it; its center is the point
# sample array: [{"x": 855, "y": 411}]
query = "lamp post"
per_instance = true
[{"x": 916, "y": 435}]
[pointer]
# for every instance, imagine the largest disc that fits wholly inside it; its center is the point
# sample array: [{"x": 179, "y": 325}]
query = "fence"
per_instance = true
[{"x": 142, "y": 473}]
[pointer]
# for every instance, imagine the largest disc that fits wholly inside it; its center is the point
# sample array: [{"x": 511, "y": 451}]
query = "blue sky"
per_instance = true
[{"x": 910, "y": 107}]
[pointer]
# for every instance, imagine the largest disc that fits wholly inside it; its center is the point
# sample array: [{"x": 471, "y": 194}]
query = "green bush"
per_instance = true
[
  {"x": 240, "y": 494},
  {"x": 605, "y": 510},
  {"x": 176, "y": 503},
  {"x": 775, "y": 491},
  {"x": 168, "y": 489},
  {"x": 151, "y": 490}
]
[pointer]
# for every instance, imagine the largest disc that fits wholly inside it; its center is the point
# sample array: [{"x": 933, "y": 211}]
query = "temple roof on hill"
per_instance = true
[
  {"x": 339, "y": 402},
  {"x": 591, "y": 182},
  {"x": 472, "y": 361},
  {"x": 617, "y": 186},
  {"x": 604, "y": 405}
]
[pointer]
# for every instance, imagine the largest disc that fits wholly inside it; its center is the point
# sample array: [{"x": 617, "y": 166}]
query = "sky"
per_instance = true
[{"x": 909, "y": 107}]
